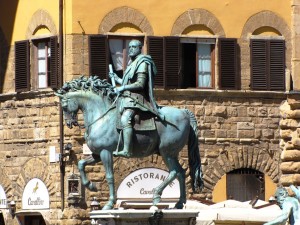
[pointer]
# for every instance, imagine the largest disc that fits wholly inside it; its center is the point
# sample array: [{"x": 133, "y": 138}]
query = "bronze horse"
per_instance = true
[{"x": 97, "y": 100}]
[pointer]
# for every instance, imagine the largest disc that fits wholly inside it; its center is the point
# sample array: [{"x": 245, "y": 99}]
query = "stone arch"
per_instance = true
[
  {"x": 40, "y": 18},
  {"x": 237, "y": 158},
  {"x": 125, "y": 15},
  {"x": 258, "y": 20},
  {"x": 6, "y": 183},
  {"x": 194, "y": 17},
  {"x": 34, "y": 168}
]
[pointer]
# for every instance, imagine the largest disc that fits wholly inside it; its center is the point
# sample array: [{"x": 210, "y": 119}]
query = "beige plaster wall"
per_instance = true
[{"x": 233, "y": 14}]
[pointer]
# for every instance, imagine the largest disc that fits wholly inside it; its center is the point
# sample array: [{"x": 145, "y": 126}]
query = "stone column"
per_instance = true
[
  {"x": 295, "y": 27},
  {"x": 290, "y": 140}
]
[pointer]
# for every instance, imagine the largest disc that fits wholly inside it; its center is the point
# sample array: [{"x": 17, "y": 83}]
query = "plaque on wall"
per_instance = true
[
  {"x": 3, "y": 199},
  {"x": 35, "y": 195}
]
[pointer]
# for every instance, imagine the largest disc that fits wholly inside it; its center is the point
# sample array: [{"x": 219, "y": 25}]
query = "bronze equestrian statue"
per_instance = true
[{"x": 108, "y": 111}]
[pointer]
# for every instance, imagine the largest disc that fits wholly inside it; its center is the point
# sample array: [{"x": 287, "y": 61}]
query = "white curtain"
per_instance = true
[
  {"x": 204, "y": 65},
  {"x": 116, "y": 47},
  {"x": 42, "y": 67},
  {"x": 116, "y": 50}
]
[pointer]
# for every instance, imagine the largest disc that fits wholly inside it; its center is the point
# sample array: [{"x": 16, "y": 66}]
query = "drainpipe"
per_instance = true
[{"x": 61, "y": 121}]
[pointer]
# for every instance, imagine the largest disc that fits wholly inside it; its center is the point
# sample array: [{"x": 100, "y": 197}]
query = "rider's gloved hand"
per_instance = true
[
  {"x": 119, "y": 90},
  {"x": 111, "y": 75}
]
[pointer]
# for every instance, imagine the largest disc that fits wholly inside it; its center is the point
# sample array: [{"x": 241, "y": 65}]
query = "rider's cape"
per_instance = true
[{"x": 129, "y": 74}]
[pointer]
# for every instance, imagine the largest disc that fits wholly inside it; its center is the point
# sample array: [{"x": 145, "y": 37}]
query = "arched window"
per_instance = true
[{"x": 245, "y": 184}]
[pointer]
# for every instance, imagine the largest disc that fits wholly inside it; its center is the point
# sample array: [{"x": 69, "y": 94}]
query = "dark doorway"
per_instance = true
[
  {"x": 1, "y": 219},
  {"x": 245, "y": 184},
  {"x": 34, "y": 220}
]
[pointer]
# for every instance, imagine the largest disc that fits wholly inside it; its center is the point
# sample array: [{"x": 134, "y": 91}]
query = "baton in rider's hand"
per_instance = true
[{"x": 113, "y": 81}]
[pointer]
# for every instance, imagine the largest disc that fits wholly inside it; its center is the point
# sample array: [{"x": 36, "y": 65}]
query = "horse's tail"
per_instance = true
[{"x": 194, "y": 155}]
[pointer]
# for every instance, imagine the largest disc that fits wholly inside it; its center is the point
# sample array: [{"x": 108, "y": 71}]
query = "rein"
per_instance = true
[{"x": 113, "y": 105}]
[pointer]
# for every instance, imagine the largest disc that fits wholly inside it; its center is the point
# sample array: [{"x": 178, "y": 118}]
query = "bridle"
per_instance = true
[{"x": 72, "y": 118}]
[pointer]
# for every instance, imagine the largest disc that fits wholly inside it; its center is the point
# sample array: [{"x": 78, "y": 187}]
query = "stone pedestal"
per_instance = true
[{"x": 144, "y": 217}]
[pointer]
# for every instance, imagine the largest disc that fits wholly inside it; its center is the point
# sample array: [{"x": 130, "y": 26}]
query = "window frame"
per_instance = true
[
  {"x": 36, "y": 60},
  {"x": 212, "y": 67},
  {"x": 25, "y": 65},
  {"x": 157, "y": 47}
]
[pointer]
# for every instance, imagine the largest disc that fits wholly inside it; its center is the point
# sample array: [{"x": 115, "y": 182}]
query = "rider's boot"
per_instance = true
[{"x": 127, "y": 139}]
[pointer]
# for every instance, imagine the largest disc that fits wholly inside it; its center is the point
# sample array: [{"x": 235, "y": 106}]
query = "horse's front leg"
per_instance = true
[
  {"x": 81, "y": 166},
  {"x": 107, "y": 159}
]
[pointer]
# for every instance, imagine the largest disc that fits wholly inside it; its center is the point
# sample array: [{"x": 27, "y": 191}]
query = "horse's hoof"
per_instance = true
[
  {"x": 108, "y": 206},
  {"x": 156, "y": 199},
  {"x": 178, "y": 205},
  {"x": 92, "y": 187}
]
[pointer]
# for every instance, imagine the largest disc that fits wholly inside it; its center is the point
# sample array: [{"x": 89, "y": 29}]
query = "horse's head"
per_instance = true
[
  {"x": 83, "y": 86},
  {"x": 70, "y": 109}
]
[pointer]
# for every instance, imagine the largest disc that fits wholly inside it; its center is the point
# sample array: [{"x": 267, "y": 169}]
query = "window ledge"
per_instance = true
[
  {"x": 26, "y": 94},
  {"x": 220, "y": 93}
]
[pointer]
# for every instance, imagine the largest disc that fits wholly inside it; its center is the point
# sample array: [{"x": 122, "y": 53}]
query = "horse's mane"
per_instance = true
[{"x": 91, "y": 83}]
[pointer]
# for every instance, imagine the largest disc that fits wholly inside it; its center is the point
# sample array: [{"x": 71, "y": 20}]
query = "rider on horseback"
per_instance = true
[{"x": 136, "y": 92}]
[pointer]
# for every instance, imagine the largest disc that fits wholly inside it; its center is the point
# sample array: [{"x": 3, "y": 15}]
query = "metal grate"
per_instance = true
[{"x": 245, "y": 184}]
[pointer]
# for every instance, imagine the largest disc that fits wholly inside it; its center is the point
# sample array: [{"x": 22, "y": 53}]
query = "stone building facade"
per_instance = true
[{"x": 238, "y": 129}]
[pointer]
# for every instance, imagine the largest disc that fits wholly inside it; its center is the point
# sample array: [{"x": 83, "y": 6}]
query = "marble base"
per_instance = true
[{"x": 144, "y": 217}]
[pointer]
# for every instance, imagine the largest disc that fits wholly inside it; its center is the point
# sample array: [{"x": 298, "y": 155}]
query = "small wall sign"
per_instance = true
[
  {"x": 140, "y": 184},
  {"x": 3, "y": 199},
  {"x": 35, "y": 195}
]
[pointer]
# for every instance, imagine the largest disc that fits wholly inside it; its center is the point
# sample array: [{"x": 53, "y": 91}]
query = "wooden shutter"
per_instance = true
[
  {"x": 155, "y": 50},
  {"x": 54, "y": 73},
  {"x": 228, "y": 64},
  {"x": 277, "y": 65},
  {"x": 172, "y": 61},
  {"x": 22, "y": 66},
  {"x": 259, "y": 64},
  {"x": 98, "y": 56}
]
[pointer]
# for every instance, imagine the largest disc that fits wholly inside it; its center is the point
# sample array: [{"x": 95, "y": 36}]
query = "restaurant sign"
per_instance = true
[
  {"x": 141, "y": 183},
  {"x": 3, "y": 199},
  {"x": 35, "y": 195}
]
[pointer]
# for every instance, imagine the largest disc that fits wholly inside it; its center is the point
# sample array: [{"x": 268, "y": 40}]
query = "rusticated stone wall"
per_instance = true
[
  {"x": 290, "y": 140},
  {"x": 236, "y": 130}
]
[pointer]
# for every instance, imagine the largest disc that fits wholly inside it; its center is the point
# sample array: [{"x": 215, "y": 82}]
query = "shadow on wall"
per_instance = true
[
  {"x": 8, "y": 10},
  {"x": 4, "y": 52}
]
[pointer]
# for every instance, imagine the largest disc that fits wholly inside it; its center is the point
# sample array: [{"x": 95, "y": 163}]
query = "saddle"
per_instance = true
[{"x": 143, "y": 121}]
